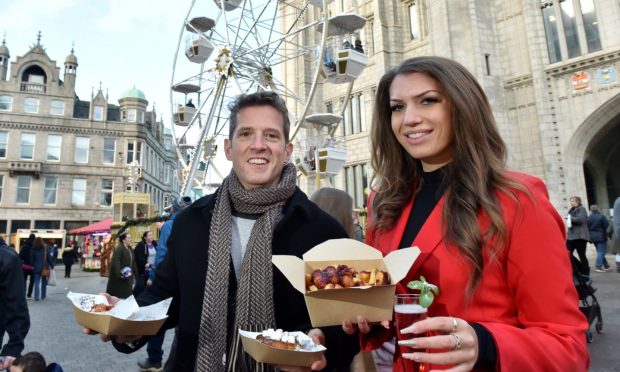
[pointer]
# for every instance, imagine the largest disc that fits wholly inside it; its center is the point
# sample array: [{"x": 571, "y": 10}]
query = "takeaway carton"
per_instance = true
[
  {"x": 267, "y": 354},
  {"x": 125, "y": 319},
  {"x": 330, "y": 307}
]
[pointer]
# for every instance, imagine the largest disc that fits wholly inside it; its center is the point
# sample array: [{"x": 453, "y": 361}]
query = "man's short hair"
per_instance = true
[
  {"x": 263, "y": 98},
  {"x": 32, "y": 361}
]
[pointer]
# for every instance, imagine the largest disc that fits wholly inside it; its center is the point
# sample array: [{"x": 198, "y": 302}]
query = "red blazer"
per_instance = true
[{"x": 526, "y": 298}]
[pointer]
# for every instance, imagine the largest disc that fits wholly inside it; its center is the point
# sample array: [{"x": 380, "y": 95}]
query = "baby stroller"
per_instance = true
[{"x": 588, "y": 304}]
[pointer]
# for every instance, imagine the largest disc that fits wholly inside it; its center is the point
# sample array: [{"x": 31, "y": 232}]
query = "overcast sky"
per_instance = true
[{"x": 120, "y": 43}]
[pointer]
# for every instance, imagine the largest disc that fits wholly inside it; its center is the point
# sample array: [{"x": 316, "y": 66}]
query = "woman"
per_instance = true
[
  {"x": 489, "y": 238},
  {"x": 69, "y": 257},
  {"x": 24, "y": 256},
  {"x": 578, "y": 235},
  {"x": 120, "y": 281},
  {"x": 145, "y": 253},
  {"x": 42, "y": 262},
  {"x": 597, "y": 228}
]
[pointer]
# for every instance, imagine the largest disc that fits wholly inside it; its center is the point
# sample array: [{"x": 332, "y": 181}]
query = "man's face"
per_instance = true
[{"x": 258, "y": 148}]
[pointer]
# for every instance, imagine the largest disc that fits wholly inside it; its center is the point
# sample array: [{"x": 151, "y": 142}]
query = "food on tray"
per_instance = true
[
  {"x": 281, "y": 339},
  {"x": 101, "y": 308},
  {"x": 344, "y": 276}
]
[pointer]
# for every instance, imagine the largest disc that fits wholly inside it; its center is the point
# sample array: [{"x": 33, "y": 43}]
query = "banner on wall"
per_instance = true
[
  {"x": 581, "y": 80},
  {"x": 606, "y": 75}
]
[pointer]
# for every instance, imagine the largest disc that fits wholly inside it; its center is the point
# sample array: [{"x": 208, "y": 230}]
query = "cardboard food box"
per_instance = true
[
  {"x": 267, "y": 354},
  {"x": 125, "y": 319},
  {"x": 329, "y": 307}
]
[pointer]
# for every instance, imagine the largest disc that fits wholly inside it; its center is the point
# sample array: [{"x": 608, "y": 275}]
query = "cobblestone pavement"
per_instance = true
[{"x": 55, "y": 334}]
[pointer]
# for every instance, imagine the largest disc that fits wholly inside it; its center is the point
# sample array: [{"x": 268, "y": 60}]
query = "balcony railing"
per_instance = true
[{"x": 33, "y": 88}]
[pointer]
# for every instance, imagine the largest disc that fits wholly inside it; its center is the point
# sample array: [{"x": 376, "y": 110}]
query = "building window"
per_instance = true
[
  {"x": 50, "y": 185},
  {"x": 414, "y": 21},
  {"x": 81, "y": 149},
  {"x": 134, "y": 152},
  {"x": 571, "y": 28},
  {"x": 57, "y": 107},
  {"x": 109, "y": 147},
  {"x": 131, "y": 115},
  {"x": 4, "y": 136},
  {"x": 107, "y": 185},
  {"x": 123, "y": 115},
  {"x": 23, "y": 190},
  {"x": 6, "y": 103},
  {"x": 31, "y": 105},
  {"x": 1, "y": 187},
  {"x": 141, "y": 117},
  {"x": 168, "y": 144},
  {"x": 356, "y": 183},
  {"x": 26, "y": 146},
  {"x": 54, "y": 143},
  {"x": 98, "y": 113},
  {"x": 78, "y": 197}
]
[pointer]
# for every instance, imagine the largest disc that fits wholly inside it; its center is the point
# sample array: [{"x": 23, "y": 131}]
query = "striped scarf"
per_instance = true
[{"x": 253, "y": 306}]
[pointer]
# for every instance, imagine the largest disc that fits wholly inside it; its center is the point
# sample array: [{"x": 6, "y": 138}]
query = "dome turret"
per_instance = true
[
  {"x": 133, "y": 93},
  {"x": 4, "y": 51},
  {"x": 71, "y": 59}
]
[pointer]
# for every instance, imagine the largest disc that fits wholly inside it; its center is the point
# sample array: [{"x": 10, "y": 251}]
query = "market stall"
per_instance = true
[{"x": 96, "y": 235}]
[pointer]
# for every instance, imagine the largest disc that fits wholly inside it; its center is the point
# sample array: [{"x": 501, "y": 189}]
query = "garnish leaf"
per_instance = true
[{"x": 426, "y": 291}]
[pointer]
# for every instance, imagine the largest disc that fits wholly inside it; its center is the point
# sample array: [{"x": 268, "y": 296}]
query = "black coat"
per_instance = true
[
  {"x": 14, "y": 318},
  {"x": 142, "y": 255},
  {"x": 69, "y": 256},
  {"x": 597, "y": 225},
  {"x": 182, "y": 276}
]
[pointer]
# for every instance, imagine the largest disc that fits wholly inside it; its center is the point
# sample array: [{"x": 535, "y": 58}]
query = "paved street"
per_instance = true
[{"x": 55, "y": 333}]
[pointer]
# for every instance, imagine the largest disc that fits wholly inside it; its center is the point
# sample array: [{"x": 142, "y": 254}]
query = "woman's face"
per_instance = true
[
  {"x": 422, "y": 119},
  {"x": 573, "y": 202},
  {"x": 149, "y": 237}
]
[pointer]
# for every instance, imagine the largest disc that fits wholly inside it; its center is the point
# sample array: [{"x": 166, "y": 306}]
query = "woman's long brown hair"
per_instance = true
[{"x": 471, "y": 180}]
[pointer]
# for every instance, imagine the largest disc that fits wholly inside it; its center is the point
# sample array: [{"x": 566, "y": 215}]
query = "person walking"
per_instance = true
[
  {"x": 122, "y": 268},
  {"x": 14, "y": 317},
  {"x": 616, "y": 232},
  {"x": 69, "y": 257},
  {"x": 145, "y": 253},
  {"x": 218, "y": 266},
  {"x": 42, "y": 263},
  {"x": 597, "y": 227},
  {"x": 578, "y": 235},
  {"x": 24, "y": 255}
]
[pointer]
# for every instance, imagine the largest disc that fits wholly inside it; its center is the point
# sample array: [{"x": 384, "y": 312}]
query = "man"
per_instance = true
[
  {"x": 154, "y": 348},
  {"x": 616, "y": 232},
  {"x": 218, "y": 268},
  {"x": 14, "y": 317}
]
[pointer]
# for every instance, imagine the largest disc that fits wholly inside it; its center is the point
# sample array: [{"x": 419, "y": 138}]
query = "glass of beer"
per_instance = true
[{"x": 407, "y": 310}]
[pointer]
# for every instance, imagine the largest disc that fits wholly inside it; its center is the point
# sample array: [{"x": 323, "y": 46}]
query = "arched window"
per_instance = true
[{"x": 33, "y": 80}]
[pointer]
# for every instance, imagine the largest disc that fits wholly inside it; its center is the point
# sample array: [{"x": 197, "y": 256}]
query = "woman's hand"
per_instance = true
[
  {"x": 318, "y": 338},
  {"x": 362, "y": 324},
  {"x": 455, "y": 337}
]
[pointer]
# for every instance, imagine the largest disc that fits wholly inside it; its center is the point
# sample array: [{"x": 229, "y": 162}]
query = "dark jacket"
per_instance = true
[
  {"x": 40, "y": 258},
  {"x": 117, "y": 285},
  {"x": 579, "y": 224},
  {"x": 14, "y": 318},
  {"x": 597, "y": 225},
  {"x": 69, "y": 256},
  {"x": 141, "y": 252},
  {"x": 24, "y": 254},
  {"x": 182, "y": 276}
]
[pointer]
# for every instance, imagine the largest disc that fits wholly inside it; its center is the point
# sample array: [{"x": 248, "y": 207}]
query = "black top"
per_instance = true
[
  {"x": 14, "y": 318},
  {"x": 423, "y": 204}
]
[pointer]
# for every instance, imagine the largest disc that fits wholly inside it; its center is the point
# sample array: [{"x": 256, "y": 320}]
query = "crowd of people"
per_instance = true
[{"x": 441, "y": 183}]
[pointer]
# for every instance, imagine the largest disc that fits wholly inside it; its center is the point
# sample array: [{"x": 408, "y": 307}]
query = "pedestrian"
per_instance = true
[
  {"x": 69, "y": 257},
  {"x": 42, "y": 263},
  {"x": 358, "y": 231},
  {"x": 122, "y": 268},
  {"x": 597, "y": 227},
  {"x": 145, "y": 252},
  {"x": 34, "y": 362},
  {"x": 14, "y": 317},
  {"x": 218, "y": 266},
  {"x": 24, "y": 255},
  {"x": 616, "y": 233},
  {"x": 489, "y": 237},
  {"x": 578, "y": 235}
]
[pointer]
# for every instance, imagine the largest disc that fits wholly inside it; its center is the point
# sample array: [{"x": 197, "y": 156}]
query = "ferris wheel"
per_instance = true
[{"x": 232, "y": 47}]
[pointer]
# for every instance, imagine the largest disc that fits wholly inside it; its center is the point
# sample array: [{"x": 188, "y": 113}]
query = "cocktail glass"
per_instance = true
[{"x": 407, "y": 310}]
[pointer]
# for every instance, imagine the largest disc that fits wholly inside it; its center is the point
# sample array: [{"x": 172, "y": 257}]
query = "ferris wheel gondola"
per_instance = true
[{"x": 235, "y": 47}]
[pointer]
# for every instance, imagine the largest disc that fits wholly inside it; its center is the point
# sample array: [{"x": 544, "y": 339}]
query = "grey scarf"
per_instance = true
[{"x": 254, "y": 301}]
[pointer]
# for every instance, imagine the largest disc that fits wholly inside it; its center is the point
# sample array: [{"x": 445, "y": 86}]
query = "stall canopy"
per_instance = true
[{"x": 101, "y": 226}]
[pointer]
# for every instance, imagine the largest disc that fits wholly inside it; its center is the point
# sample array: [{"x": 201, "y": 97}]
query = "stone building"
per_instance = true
[
  {"x": 549, "y": 67},
  {"x": 62, "y": 158}
]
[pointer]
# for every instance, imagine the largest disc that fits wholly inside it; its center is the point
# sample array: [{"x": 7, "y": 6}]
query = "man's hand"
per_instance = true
[
  {"x": 318, "y": 338},
  {"x": 112, "y": 300},
  {"x": 362, "y": 324},
  {"x": 7, "y": 362}
]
